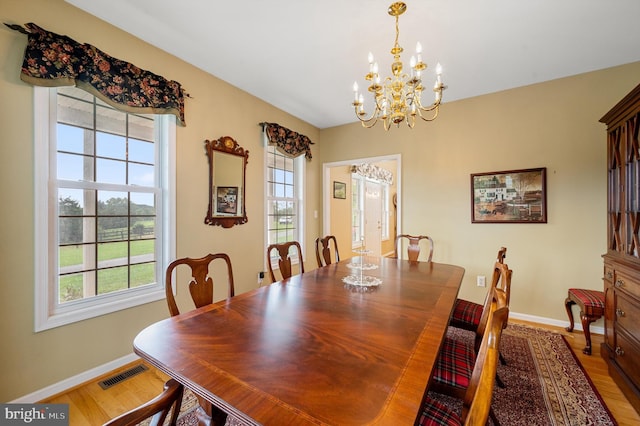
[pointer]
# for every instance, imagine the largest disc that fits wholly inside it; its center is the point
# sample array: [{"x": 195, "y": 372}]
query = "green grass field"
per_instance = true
[{"x": 112, "y": 279}]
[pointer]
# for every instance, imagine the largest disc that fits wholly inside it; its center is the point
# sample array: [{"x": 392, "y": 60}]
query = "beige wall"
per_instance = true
[
  {"x": 340, "y": 211},
  {"x": 31, "y": 361},
  {"x": 553, "y": 125}
]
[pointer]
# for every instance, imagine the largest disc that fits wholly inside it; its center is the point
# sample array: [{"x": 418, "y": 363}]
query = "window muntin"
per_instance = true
[{"x": 108, "y": 189}]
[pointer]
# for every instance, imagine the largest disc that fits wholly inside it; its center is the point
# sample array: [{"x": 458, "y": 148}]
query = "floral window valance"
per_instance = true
[
  {"x": 374, "y": 172},
  {"x": 287, "y": 141},
  {"x": 54, "y": 60}
]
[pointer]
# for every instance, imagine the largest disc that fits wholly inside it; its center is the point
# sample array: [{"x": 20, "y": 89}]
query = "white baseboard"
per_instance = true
[
  {"x": 556, "y": 323},
  {"x": 76, "y": 380},
  {"x": 88, "y": 375}
]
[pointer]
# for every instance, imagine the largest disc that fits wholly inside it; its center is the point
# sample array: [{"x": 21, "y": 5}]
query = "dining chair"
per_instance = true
[
  {"x": 284, "y": 258},
  {"x": 201, "y": 284},
  {"x": 456, "y": 361},
  {"x": 466, "y": 314},
  {"x": 413, "y": 249},
  {"x": 168, "y": 402},
  {"x": 323, "y": 250},
  {"x": 476, "y": 401}
]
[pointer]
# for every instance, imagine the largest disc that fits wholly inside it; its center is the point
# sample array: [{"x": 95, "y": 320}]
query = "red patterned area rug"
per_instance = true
[
  {"x": 544, "y": 382},
  {"x": 545, "y": 385}
]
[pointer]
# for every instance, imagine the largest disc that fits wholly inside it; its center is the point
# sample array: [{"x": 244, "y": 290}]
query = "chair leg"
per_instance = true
[
  {"x": 568, "y": 303},
  {"x": 493, "y": 417},
  {"x": 499, "y": 382},
  {"x": 503, "y": 361},
  {"x": 586, "y": 321}
]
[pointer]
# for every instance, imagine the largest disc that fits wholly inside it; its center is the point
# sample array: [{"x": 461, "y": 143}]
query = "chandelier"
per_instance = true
[{"x": 398, "y": 98}]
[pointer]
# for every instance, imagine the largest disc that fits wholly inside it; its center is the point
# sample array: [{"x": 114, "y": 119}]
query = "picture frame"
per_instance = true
[
  {"x": 339, "y": 190},
  {"x": 512, "y": 196},
  {"x": 227, "y": 200}
]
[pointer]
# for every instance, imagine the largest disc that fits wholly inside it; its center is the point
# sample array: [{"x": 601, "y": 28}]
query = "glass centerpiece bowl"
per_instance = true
[{"x": 359, "y": 279}]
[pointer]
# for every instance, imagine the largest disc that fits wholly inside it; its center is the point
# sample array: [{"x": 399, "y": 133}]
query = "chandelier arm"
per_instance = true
[
  {"x": 429, "y": 108},
  {"x": 435, "y": 115},
  {"x": 373, "y": 118}
]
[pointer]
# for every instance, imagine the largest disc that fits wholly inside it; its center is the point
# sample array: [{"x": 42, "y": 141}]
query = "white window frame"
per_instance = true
[
  {"x": 48, "y": 313},
  {"x": 299, "y": 165},
  {"x": 386, "y": 213},
  {"x": 357, "y": 243}
]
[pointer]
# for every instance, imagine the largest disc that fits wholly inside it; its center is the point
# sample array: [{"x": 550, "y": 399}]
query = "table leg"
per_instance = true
[{"x": 209, "y": 415}]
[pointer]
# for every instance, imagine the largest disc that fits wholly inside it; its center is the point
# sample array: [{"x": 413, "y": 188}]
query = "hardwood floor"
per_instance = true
[{"x": 89, "y": 404}]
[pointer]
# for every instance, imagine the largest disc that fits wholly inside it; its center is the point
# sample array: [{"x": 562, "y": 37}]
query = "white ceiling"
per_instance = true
[{"x": 304, "y": 55}]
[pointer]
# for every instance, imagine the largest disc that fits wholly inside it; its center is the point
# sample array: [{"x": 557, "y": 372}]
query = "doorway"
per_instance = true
[
  {"x": 373, "y": 217},
  {"x": 339, "y": 214}
]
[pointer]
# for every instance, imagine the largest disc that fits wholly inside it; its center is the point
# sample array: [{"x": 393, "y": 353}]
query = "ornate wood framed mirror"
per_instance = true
[{"x": 227, "y": 177}]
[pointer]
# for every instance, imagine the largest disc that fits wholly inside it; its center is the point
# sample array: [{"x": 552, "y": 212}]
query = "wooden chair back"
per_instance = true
[
  {"x": 284, "y": 259},
  {"x": 477, "y": 400},
  {"x": 501, "y": 278},
  {"x": 323, "y": 250},
  {"x": 413, "y": 249},
  {"x": 201, "y": 284},
  {"x": 497, "y": 296},
  {"x": 502, "y": 253},
  {"x": 157, "y": 409}
]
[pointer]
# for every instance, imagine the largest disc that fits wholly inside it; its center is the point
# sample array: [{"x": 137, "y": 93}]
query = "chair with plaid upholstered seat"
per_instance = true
[
  {"x": 476, "y": 406},
  {"x": 466, "y": 314},
  {"x": 591, "y": 304},
  {"x": 452, "y": 372}
]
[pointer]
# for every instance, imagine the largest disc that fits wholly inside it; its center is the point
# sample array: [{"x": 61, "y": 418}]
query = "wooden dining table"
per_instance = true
[{"x": 312, "y": 350}]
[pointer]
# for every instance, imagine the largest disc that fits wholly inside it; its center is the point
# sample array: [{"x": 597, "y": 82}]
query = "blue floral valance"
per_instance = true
[
  {"x": 287, "y": 141},
  {"x": 56, "y": 60}
]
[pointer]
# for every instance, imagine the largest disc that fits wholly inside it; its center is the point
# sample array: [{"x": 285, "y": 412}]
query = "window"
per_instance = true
[
  {"x": 357, "y": 210},
  {"x": 104, "y": 180},
  {"x": 284, "y": 198},
  {"x": 385, "y": 211}
]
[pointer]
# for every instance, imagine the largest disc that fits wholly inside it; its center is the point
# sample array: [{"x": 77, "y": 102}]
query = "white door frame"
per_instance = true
[{"x": 327, "y": 188}]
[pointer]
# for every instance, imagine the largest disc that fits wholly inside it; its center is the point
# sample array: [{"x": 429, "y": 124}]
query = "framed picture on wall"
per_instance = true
[
  {"x": 339, "y": 190},
  {"x": 227, "y": 200},
  {"x": 513, "y": 196}
]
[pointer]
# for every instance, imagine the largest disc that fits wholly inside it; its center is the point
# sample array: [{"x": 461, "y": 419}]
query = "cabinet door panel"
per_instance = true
[{"x": 626, "y": 357}]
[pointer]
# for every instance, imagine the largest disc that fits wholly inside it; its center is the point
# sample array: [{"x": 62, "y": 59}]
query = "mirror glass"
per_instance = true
[{"x": 227, "y": 172}]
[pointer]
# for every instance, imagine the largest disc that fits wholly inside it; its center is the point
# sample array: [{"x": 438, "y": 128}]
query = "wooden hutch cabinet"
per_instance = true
[{"x": 621, "y": 347}]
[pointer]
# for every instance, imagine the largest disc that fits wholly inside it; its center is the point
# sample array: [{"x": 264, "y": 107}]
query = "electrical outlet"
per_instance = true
[{"x": 481, "y": 281}]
